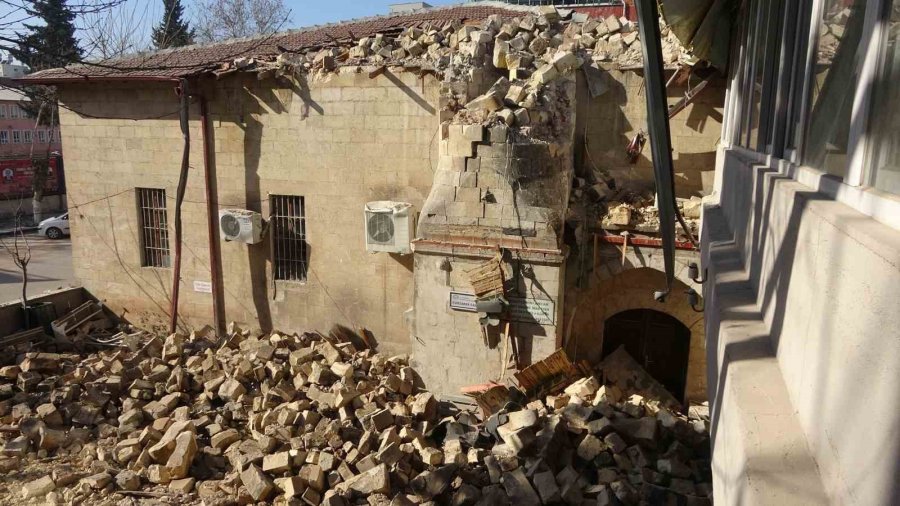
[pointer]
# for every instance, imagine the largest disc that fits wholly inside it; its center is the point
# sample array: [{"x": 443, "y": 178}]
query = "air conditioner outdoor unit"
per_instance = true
[
  {"x": 240, "y": 225},
  {"x": 388, "y": 227}
]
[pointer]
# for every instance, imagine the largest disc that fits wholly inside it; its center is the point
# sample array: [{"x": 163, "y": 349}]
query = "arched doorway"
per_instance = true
[{"x": 660, "y": 343}]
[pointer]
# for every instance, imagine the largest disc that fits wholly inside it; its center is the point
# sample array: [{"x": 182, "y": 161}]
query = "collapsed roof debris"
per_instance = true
[
  {"x": 312, "y": 419},
  {"x": 531, "y": 46}
]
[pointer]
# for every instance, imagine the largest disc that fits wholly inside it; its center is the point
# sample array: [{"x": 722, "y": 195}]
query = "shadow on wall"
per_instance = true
[
  {"x": 606, "y": 124},
  {"x": 805, "y": 273},
  {"x": 257, "y": 254}
]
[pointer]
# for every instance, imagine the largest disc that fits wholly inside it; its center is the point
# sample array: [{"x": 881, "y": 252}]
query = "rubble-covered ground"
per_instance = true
[{"x": 308, "y": 419}]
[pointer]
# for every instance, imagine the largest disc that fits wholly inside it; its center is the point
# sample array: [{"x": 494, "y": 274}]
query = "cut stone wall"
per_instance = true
[
  {"x": 616, "y": 289},
  {"x": 448, "y": 349},
  {"x": 815, "y": 336},
  {"x": 606, "y": 125},
  {"x": 339, "y": 142}
]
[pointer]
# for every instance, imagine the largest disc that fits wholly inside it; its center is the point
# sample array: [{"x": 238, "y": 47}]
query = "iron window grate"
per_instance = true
[
  {"x": 154, "y": 227},
  {"x": 288, "y": 224}
]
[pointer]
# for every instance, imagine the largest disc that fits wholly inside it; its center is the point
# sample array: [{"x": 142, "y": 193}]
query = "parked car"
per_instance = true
[{"x": 55, "y": 228}]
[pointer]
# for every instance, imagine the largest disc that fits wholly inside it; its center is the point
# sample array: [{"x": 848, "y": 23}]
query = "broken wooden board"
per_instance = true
[
  {"x": 87, "y": 319},
  {"x": 548, "y": 375},
  {"x": 32, "y": 336},
  {"x": 487, "y": 278}
]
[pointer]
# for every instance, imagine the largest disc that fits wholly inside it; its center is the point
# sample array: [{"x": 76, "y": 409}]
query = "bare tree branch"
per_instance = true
[
  {"x": 116, "y": 31},
  {"x": 227, "y": 19}
]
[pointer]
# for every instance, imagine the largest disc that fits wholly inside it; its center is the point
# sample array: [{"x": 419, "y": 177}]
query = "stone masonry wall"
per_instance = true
[
  {"x": 338, "y": 142},
  {"x": 448, "y": 349},
  {"x": 610, "y": 121}
]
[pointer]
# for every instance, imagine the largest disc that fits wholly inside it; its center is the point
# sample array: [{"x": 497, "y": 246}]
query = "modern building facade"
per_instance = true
[
  {"x": 802, "y": 247},
  {"x": 21, "y": 139}
]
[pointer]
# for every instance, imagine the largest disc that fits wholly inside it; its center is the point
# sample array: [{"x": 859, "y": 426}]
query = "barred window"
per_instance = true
[
  {"x": 153, "y": 224},
  {"x": 289, "y": 248}
]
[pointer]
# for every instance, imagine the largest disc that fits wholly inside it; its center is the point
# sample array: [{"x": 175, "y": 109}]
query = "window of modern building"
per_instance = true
[
  {"x": 884, "y": 159},
  {"x": 153, "y": 224},
  {"x": 833, "y": 85},
  {"x": 800, "y": 27},
  {"x": 288, "y": 222},
  {"x": 757, "y": 72},
  {"x": 17, "y": 136}
]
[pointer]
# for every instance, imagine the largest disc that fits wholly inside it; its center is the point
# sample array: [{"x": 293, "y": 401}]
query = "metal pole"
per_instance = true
[
  {"x": 179, "y": 198},
  {"x": 212, "y": 222},
  {"x": 660, "y": 136}
]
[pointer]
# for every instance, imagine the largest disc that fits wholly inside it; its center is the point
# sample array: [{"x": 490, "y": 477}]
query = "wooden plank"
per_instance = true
[{"x": 26, "y": 336}]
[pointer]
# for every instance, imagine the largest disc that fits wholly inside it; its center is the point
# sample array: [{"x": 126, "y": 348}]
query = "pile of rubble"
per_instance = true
[
  {"x": 517, "y": 44},
  {"x": 309, "y": 419},
  {"x": 642, "y": 215},
  {"x": 537, "y": 48}
]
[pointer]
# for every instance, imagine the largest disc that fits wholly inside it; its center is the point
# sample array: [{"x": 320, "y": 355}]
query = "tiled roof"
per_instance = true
[
  {"x": 196, "y": 59},
  {"x": 7, "y": 93}
]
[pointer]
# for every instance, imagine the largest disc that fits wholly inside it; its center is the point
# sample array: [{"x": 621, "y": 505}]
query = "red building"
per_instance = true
[{"x": 19, "y": 138}]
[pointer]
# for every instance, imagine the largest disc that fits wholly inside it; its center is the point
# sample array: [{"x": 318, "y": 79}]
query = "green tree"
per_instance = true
[
  {"x": 173, "y": 30},
  {"x": 51, "y": 44},
  {"x": 48, "y": 45}
]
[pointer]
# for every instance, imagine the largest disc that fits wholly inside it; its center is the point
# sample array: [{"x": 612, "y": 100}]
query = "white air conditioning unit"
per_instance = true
[
  {"x": 388, "y": 227},
  {"x": 240, "y": 225}
]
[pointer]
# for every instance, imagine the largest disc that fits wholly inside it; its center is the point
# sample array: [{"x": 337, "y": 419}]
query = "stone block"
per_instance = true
[
  {"x": 519, "y": 490},
  {"x": 374, "y": 481},
  {"x": 258, "y": 485},
  {"x": 466, "y": 194},
  {"x": 38, "y": 488}
]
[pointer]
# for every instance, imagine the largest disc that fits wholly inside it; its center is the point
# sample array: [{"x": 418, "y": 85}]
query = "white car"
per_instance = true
[{"x": 55, "y": 228}]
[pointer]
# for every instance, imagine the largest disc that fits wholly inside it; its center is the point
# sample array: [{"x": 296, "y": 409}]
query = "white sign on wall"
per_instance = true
[
  {"x": 462, "y": 301},
  {"x": 203, "y": 286},
  {"x": 520, "y": 309}
]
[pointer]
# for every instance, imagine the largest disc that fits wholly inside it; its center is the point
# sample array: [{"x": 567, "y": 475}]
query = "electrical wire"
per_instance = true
[{"x": 92, "y": 116}]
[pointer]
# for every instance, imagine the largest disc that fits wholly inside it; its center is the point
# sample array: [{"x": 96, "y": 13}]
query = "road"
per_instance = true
[{"x": 50, "y": 268}]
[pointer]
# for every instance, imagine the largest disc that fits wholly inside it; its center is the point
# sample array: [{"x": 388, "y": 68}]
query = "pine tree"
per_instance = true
[
  {"x": 173, "y": 30},
  {"x": 51, "y": 44},
  {"x": 46, "y": 46}
]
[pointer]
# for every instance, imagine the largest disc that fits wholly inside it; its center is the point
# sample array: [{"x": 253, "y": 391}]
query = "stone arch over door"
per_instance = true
[{"x": 628, "y": 290}]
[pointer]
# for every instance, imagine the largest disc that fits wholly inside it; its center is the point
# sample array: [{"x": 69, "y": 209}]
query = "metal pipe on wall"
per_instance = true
[
  {"x": 660, "y": 135},
  {"x": 212, "y": 219},
  {"x": 184, "y": 116}
]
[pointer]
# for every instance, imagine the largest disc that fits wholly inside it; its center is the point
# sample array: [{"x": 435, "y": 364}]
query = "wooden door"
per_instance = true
[{"x": 657, "y": 341}]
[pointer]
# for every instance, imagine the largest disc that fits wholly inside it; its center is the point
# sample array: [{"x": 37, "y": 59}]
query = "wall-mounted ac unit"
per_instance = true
[
  {"x": 388, "y": 227},
  {"x": 240, "y": 225}
]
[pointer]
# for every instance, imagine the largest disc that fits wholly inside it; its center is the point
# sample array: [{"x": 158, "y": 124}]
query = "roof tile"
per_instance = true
[{"x": 196, "y": 59}]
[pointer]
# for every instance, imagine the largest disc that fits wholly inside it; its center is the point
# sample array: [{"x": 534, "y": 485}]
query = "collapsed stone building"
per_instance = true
[{"x": 491, "y": 134}]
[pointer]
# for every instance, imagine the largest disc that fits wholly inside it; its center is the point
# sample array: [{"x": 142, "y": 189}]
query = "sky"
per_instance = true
[{"x": 316, "y": 12}]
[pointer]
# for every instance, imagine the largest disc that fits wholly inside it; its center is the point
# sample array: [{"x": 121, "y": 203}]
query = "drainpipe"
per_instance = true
[
  {"x": 212, "y": 220},
  {"x": 660, "y": 136},
  {"x": 184, "y": 117},
  {"x": 215, "y": 254}
]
